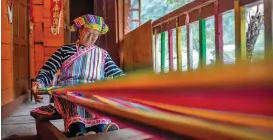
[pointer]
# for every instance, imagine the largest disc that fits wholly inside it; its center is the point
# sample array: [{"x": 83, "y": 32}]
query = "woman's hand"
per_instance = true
[{"x": 35, "y": 92}]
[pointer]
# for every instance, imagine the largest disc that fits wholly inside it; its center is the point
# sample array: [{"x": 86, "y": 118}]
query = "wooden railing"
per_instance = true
[{"x": 199, "y": 10}]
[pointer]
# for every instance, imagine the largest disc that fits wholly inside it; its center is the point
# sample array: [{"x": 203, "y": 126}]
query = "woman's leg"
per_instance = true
[{"x": 77, "y": 129}]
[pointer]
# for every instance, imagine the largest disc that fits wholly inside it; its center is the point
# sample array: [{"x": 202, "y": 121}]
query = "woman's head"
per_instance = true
[{"x": 89, "y": 27}]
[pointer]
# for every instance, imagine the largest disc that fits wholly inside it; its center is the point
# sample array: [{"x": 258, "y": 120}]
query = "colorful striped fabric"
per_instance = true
[
  {"x": 54, "y": 63},
  {"x": 233, "y": 105},
  {"x": 90, "y": 21}
]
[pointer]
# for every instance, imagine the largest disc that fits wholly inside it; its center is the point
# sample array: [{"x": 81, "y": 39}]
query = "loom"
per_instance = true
[{"x": 228, "y": 102}]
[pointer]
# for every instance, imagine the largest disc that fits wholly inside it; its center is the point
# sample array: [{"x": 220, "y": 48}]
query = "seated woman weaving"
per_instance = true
[{"x": 80, "y": 63}]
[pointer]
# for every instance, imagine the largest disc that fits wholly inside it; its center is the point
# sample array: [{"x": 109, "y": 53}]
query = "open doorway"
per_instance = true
[{"x": 78, "y": 8}]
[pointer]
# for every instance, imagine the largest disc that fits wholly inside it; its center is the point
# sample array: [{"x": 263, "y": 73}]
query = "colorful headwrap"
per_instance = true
[{"x": 90, "y": 21}]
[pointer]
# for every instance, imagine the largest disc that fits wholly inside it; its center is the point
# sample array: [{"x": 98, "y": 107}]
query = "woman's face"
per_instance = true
[{"x": 88, "y": 36}]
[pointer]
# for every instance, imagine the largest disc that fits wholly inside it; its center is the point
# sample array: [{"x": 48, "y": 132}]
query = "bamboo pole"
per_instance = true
[
  {"x": 179, "y": 47},
  {"x": 240, "y": 32}
]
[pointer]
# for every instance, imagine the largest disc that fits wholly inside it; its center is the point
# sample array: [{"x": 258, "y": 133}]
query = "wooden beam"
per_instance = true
[
  {"x": 46, "y": 130},
  {"x": 268, "y": 22},
  {"x": 240, "y": 32},
  {"x": 192, "y": 9},
  {"x": 126, "y": 8},
  {"x": 218, "y": 23}
]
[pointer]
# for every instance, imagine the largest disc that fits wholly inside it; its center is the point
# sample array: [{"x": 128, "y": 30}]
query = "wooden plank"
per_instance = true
[
  {"x": 163, "y": 51},
  {"x": 268, "y": 22},
  {"x": 49, "y": 51},
  {"x": 9, "y": 108},
  {"x": 7, "y": 33},
  {"x": 7, "y": 75},
  {"x": 33, "y": 137},
  {"x": 170, "y": 45},
  {"x": 123, "y": 134},
  {"x": 39, "y": 53},
  {"x": 38, "y": 13},
  {"x": 218, "y": 23},
  {"x": 6, "y": 52},
  {"x": 240, "y": 32},
  {"x": 38, "y": 32},
  {"x": 135, "y": 45},
  {"x": 54, "y": 41},
  {"x": 6, "y": 96},
  {"x": 47, "y": 130},
  {"x": 202, "y": 43}
]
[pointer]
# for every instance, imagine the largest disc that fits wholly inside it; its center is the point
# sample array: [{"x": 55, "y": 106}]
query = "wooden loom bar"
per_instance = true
[
  {"x": 240, "y": 32},
  {"x": 179, "y": 48},
  {"x": 218, "y": 23},
  {"x": 163, "y": 51},
  {"x": 202, "y": 42},
  {"x": 230, "y": 117},
  {"x": 228, "y": 88},
  {"x": 268, "y": 23},
  {"x": 170, "y": 44}
]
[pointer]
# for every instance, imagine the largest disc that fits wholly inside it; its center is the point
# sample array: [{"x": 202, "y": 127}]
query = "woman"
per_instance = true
[{"x": 80, "y": 63}]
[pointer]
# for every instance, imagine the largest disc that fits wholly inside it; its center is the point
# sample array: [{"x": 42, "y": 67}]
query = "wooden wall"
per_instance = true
[
  {"x": 6, "y": 57},
  {"x": 108, "y": 10},
  {"x": 43, "y": 42},
  {"x": 136, "y": 48}
]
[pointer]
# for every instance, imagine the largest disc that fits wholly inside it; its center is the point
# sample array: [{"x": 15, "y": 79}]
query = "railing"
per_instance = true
[{"x": 199, "y": 10}]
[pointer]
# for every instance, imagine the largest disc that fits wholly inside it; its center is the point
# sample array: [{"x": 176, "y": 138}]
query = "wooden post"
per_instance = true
[
  {"x": 189, "y": 49},
  {"x": 202, "y": 42},
  {"x": 218, "y": 23},
  {"x": 268, "y": 22},
  {"x": 155, "y": 50},
  {"x": 240, "y": 32},
  {"x": 66, "y": 13},
  {"x": 179, "y": 48},
  {"x": 170, "y": 44},
  {"x": 163, "y": 51}
]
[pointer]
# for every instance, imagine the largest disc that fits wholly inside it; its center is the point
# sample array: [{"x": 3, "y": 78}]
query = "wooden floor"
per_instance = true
[{"x": 21, "y": 125}]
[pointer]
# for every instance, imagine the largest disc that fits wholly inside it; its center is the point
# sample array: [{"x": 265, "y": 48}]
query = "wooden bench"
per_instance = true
[{"x": 46, "y": 130}]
